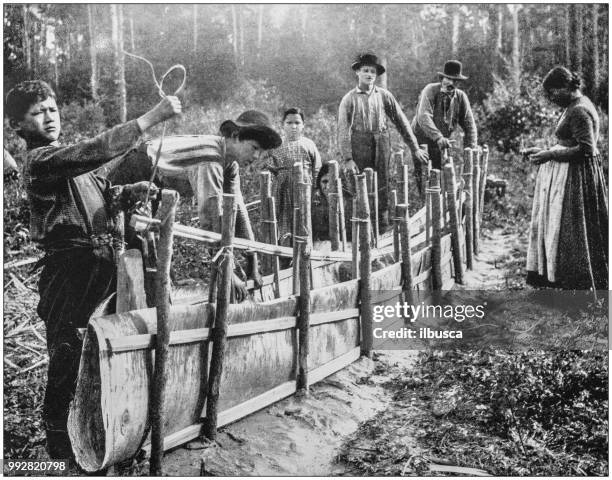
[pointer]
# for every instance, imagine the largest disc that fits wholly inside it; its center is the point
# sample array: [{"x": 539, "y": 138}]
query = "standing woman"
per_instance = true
[
  {"x": 295, "y": 148},
  {"x": 568, "y": 240}
]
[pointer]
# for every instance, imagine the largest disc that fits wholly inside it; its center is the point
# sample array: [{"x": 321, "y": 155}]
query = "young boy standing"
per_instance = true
[
  {"x": 70, "y": 219},
  {"x": 363, "y": 133}
]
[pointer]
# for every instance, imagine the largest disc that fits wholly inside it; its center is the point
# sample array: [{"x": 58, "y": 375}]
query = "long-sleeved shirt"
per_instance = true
[
  {"x": 66, "y": 198},
  {"x": 578, "y": 129},
  {"x": 439, "y": 114},
  {"x": 363, "y": 111}
]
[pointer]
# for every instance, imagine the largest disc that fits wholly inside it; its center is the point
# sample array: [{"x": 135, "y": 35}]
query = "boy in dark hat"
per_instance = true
[
  {"x": 70, "y": 219},
  {"x": 363, "y": 133},
  {"x": 214, "y": 171},
  {"x": 442, "y": 106}
]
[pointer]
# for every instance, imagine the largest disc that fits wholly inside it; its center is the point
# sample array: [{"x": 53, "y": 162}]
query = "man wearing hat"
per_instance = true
[
  {"x": 363, "y": 133},
  {"x": 442, "y": 106},
  {"x": 213, "y": 162}
]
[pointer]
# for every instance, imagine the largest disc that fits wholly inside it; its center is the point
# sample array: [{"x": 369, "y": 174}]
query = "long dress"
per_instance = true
[
  {"x": 304, "y": 151},
  {"x": 568, "y": 239}
]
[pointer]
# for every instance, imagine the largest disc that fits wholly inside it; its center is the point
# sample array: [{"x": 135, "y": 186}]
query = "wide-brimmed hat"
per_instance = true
[
  {"x": 257, "y": 124},
  {"x": 452, "y": 69},
  {"x": 368, "y": 59}
]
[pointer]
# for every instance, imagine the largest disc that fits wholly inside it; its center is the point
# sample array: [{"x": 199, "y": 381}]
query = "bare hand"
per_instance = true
[
  {"x": 443, "y": 143},
  {"x": 542, "y": 156},
  {"x": 137, "y": 193},
  {"x": 422, "y": 156},
  {"x": 167, "y": 108}
]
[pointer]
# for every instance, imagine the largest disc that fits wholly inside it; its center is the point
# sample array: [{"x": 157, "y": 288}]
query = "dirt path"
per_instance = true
[{"x": 302, "y": 436}]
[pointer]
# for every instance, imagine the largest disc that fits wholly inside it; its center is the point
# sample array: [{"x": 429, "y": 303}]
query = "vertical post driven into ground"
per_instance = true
[
  {"x": 476, "y": 200},
  {"x": 483, "y": 176},
  {"x": 372, "y": 192},
  {"x": 425, "y": 169},
  {"x": 436, "y": 231},
  {"x": 304, "y": 241},
  {"x": 298, "y": 177},
  {"x": 219, "y": 331},
  {"x": 355, "y": 240},
  {"x": 393, "y": 218},
  {"x": 333, "y": 195},
  {"x": 407, "y": 278},
  {"x": 265, "y": 192},
  {"x": 405, "y": 185},
  {"x": 335, "y": 183},
  {"x": 469, "y": 222},
  {"x": 274, "y": 237},
  {"x": 455, "y": 224},
  {"x": 365, "y": 282},
  {"x": 167, "y": 212},
  {"x": 446, "y": 158}
]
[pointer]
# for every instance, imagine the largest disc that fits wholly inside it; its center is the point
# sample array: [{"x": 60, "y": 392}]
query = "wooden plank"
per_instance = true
[
  {"x": 331, "y": 317},
  {"x": 392, "y": 293},
  {"x": 318, "y": 374},
  {"x": 257, "y": 403},
  {"x": 130, "y": 282}
]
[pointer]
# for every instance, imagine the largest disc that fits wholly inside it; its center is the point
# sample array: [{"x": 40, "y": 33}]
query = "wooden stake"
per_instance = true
[
  {"x": 469, "y": 222},
  {"x": 425, "y": 169},
  {"x": 476, "y": 201},
  {"x": 404, "y": 185},
  {"x": 365, "y": 311},
  {"x": 298, "y": 177},
  {"x": 219, "y": 333},
  {"x": 407, "y": 278},
  {"x": 305, "y": 246},
  {"x": 369, "y": 175},
  {"x": 265, "y": 192},
  {"x": 337, "y": 230},
  {"x": 483, "y": 176},
  {"x": 455, "y": 224},
  {"x": 271, "y": 208},
  {"x": 355, "y": 241},
  {"x": 436, "y": 234},
  {"x": 166, "y": 212},
  {"x": 393, "y": 218}
]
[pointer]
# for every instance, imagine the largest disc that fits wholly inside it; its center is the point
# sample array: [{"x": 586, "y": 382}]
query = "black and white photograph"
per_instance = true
[{"x": 306, "y": 239}]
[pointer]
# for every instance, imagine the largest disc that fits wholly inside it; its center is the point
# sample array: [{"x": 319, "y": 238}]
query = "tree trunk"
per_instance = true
[
  {"x": 578, "y": 44},
  {"x": 195, "y": 27},
  {"x": 595, "y": 55},
  {"x": 132, "y": 36},
  {"x": 241, "y": 33},
  {"x": 55, "y": 59},
  {"x": 235, "y": 34},
  {"x": 26, "y": 38},
  {"x": 119, "y": 60},
  {"x": 304, "y": 20},
  {"x": 568, "y": 35},
  {"x": 515, "y": 74},
  {"x": 93, "y": 55},
  {"x": 260, "y": 13},
  {"x": 455, "y": 32}
]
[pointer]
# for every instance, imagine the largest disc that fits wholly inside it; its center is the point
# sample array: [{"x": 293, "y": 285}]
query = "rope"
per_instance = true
[{"x": 159, "y": 84}]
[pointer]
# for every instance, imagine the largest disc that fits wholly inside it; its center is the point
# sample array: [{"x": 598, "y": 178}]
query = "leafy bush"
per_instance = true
[
  {"x": 509, "y": 117},
  {"x": 81, "y": 121}
]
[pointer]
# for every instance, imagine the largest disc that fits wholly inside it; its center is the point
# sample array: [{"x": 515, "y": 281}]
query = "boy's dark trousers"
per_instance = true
[
  {"x": 373, "y": 150},
  {"x": 73, "y": 282}
]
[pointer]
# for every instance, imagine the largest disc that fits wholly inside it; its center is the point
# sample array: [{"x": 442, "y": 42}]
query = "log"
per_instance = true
[
  {"x": 305, "y": 246},
  {"x": 436, "y": 235},
  {"x": 469, "y": 222},
  {"x": 334, "y": 228},
  {"x": 363, "y": 214},
  {"x": 476, "y": 201},
  {"x": 298, "y": 177},
  {"x": 407, "y": 278},
  {"x": 225, "y": 269},
  {"x": 166, "y": 212},
  {"x": 404, "y": 185},
  {"x": 455, "y": 224}
]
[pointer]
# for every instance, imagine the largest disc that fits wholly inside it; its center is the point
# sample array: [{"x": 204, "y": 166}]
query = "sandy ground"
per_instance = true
[{"x": 301, "y": 436}]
